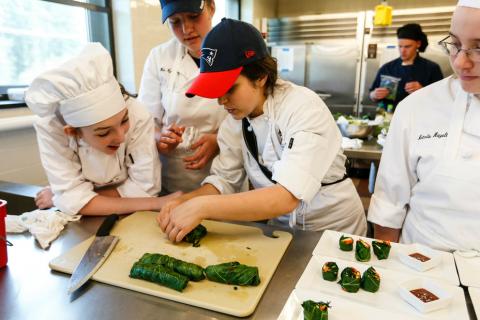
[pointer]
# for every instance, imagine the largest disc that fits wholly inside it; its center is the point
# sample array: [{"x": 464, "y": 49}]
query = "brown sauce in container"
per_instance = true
[
  {"x": 424, "y": 295},
  {"x": 419, "y": 256}
]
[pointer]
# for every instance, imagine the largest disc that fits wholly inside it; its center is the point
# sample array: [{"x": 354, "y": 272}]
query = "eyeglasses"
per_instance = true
[{"x": 453, "y": 50}]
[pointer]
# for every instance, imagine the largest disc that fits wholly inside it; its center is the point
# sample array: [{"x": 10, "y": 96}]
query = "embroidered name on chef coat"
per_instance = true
[{"x": 437, "y": 135}]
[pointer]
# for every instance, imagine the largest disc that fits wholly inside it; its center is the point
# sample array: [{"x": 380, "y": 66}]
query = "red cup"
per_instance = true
[{"x": 3, "y": 234}]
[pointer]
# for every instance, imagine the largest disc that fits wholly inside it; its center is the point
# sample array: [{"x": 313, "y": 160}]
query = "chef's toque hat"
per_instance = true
[
  {"x": 469, "y": 3},
  {"x": 83, "y": 89}
]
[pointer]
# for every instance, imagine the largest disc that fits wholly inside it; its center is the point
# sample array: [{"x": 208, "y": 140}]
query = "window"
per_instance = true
[
  {"x": 38, "y": 34},
  {"x": 226, "y": 8}
]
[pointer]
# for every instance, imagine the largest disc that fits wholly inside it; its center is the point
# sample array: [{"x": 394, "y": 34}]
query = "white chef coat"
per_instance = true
[
  {"x": 427, "y": 184},
  {"x": 169, "y": 71},
  {"x": 302, "y": 150},
  {"x": 75, "y": 169}
]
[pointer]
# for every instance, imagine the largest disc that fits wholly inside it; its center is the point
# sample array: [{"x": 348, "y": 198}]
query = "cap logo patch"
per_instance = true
[
  {"x": 209, "y": 55},
  {"x": 202, "y": 4},
  {"x": 249, "y": 54}
]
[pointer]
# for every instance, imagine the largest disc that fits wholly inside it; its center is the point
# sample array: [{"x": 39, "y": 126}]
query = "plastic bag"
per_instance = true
[{"x": 391, "y": 83}]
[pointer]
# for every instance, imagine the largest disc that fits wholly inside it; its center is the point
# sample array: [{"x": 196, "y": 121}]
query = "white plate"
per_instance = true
[
  {"x": 387, "y": 297},
  {"x": 445, "y": 270},
  {"x": 341, "y": 308},
  {"x": 475, "y": 296},
  {"x": 468, "y": 270}
]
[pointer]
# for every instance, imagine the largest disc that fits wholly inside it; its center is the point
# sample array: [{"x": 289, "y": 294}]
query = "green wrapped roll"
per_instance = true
[
  {"x": 350, "y": 279},
  {"x": 346, "y": 243},
  {"x": 330, "y": 271},
  {"x": 190, "y": 270},
  {"x": 370, "y": 280},
  {"x": 159, "y": 274},
  {"x": 362, "y": 251},
  {"x": 233, "y": 273},
  {"x": 315, "y": 310},
  {"x": 196, "y": 235},
  {"x": 381, "y": 249}
]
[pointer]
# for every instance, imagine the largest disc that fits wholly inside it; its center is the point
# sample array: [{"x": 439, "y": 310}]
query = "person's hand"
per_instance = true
[
  {"x": 44, "y": 198},
  {"x": 412, "y": 86},
  {"x": 169, "y": 138},
  {"x": 379, "y": 93},
  {"x": 206, "y": 149},
  {"x": 167, "y": 200},
  {"x": 179, "y": 219}
]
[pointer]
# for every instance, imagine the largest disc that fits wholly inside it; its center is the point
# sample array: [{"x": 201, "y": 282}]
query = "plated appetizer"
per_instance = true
[
  {"x": 330, "y": 271},
  {"x": 350, "y": 279},
  {"x": 346, "y": 243},
  {"x": 362, "y": 251},
  {"x": 370, "y": 280},
  {"x": 381, "y": 249},
  {"x": 315, "y": 310}
]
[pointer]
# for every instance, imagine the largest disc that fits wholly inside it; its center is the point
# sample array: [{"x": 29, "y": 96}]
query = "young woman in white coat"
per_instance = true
[
  {"x": 282, "y": 136},
  {"x": 186, "y": 129},
  {"x": 96, "y": 144},
  {"x": 427, "y": 185}
]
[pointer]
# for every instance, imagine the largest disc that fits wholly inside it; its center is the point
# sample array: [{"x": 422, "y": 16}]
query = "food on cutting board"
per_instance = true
[
  {"x": 362, "y": 251},
  {"x": 346, "y": 243},
  {"x": 330, "y": 271},
  {"x": 381, "y": 249},
  {"x": 192, "y": 271},
  {"x": 233, "y": 273},
  {"x": 419, "y": 256},
  {"x": 424, "y": 295},
  {"x": 196, "y": 235},
  {"x": 315, "y": 310},
  {"x": 350, "y": 279},
  {"x": 159, "y": 274},
  {"x": 370, "y": 280}
]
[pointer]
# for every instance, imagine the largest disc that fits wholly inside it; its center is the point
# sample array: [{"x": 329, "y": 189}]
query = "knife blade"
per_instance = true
[{"x": 95, "y": 255}]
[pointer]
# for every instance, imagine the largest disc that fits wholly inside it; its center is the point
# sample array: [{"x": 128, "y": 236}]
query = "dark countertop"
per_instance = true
[{"x": 30, "y": 290}]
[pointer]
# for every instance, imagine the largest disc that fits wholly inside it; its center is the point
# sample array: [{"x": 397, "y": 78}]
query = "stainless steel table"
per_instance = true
[
  {"x": 370, "y": 150},
  {"x": 30, "y": 290}
]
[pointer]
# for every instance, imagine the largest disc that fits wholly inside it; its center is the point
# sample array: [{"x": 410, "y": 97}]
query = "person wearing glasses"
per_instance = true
[
  {"x": 186, "y": 129},
  {"x": 427, "y": 188},
  {"x": 410, "y": 71}
]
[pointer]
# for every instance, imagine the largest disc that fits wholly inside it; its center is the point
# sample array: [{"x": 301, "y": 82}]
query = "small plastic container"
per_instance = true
[
  {"x": 407, "y": 256},
  {"x": 443, "y": 301},
  {"x": 3, "y": 234}
]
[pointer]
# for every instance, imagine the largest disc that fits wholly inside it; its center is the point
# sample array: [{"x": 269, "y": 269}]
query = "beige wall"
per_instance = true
[{"x": 288, "y": 8}]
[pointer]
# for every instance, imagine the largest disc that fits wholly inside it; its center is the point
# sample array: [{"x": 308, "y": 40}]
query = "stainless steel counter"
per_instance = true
[
  {"x": 370, "y": 150},
  {"x": 30, "y": 290}
]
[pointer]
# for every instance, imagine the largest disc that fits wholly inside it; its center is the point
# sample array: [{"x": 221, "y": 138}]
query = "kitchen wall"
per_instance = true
[
  {"x": 19, "y": 158},
  {"x": 288, "y": 8}
]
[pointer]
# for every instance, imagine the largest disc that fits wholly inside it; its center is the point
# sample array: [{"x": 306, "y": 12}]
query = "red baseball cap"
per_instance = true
[{"x": 228, "y": 47}]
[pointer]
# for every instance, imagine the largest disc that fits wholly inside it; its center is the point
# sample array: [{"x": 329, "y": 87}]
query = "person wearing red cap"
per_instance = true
[
  {"x": 280, "y": 135},
  {"x": 185, "y": 128}
]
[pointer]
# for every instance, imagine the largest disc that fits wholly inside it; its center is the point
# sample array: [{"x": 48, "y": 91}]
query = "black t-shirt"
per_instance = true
[
  {"x": 422, "y": 70},
  {"x": 196, "y": 60}
]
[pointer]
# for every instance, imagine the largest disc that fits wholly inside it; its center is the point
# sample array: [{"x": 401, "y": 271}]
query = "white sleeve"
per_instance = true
[
  {"x": 227, "y": 173},
  {"x": 143, "y": 163},
  {"x": 396, "y": 175},
  {"x": 150, "y": 92},
  {"x": 61, "y": 163},
  {"x": 312, "y": 142}
]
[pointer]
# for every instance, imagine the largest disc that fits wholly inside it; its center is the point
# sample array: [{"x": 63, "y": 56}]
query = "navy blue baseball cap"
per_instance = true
[
  {"x": 170, "y": 7},
  {"x": 228, "y": 47}
]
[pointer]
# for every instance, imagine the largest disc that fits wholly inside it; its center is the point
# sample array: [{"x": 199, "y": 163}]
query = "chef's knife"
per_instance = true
[{"x": 96, "y": 254}]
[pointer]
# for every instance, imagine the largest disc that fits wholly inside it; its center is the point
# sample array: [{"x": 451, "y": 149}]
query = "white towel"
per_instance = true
[{"x": 44, "y": 225}]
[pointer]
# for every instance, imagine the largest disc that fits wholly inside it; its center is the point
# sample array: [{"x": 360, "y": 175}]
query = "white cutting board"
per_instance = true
[{"x": 225, "y": 242}]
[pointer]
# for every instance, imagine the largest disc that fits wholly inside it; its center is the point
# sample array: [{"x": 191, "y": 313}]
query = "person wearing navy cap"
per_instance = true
[
  {"x": 280, "y": 135},
  {"x": 185, "y": 128}
]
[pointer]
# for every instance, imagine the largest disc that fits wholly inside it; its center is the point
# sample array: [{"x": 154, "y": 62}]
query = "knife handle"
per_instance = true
[{"x": 107, "y": 225}]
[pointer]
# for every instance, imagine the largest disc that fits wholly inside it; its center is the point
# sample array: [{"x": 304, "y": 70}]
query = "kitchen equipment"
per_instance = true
[
  {"x": 224, "y": 242},
  {"x": 96, "y": 254}
]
